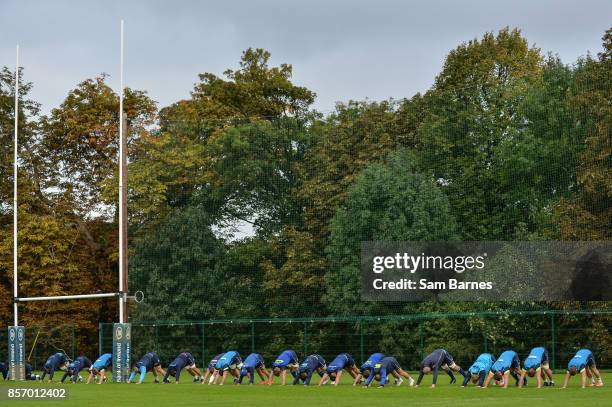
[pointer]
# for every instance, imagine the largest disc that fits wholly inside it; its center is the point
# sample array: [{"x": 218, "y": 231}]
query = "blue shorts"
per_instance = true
[
  {"x": 591, "y": 361},
  {"x": 190, "y": 362},
  {"x": 448, "y": 359},
  {"x": 395, "y": 365}
]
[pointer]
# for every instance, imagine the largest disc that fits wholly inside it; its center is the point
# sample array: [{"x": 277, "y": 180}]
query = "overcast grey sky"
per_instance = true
[{"x": 340, "y": 49}]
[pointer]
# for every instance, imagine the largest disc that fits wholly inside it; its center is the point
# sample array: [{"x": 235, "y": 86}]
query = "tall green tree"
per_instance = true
[
  {"x": 388, "y": 202},
  {"x": 535, "y": 165},
  {"x": 257, "y": 170},
  {"x": 473, "y": 108},
  {"x": 355, "y": 135},
  {"x": 254, "y": 91},
  {"x": 180, "y": 270},
  {"x": 233, "y": 131},
  {"x": 28, "y": 112}
]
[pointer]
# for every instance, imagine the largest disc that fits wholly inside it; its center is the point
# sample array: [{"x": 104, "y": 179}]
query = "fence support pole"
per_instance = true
[
  {"x": 305, "y": 339},
  {"x": 252, "y": 337},
  {"x": 553, "y": 341},
  {"x": 361, "y": 340}
]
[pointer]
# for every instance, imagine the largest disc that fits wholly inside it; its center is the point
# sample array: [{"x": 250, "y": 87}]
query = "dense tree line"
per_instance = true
[{"x": 508, "y": 144}]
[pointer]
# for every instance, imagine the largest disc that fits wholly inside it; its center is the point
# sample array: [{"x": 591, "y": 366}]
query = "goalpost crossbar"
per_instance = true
[{"x": 67, "y": 297}]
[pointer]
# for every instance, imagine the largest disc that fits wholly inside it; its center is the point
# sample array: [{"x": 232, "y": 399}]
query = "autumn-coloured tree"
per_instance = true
[{"x": 588, "y": 214}]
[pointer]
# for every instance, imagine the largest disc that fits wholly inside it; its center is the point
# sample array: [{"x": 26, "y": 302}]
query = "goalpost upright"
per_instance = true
[
  {"x": 16, "y": 333},
  {"x": 15, "y": 167},
  {"x": 122, "y": 196},
  {"x": 121, "y": 331}
]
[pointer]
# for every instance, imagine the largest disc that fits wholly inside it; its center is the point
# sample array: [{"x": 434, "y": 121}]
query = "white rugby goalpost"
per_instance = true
[{"x": 122, "y": 331}]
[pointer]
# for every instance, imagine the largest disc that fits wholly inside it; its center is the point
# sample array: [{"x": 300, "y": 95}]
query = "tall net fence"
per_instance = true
[
  {"x": 246, "y": 204},
  {"x": 407, "y": 337}
]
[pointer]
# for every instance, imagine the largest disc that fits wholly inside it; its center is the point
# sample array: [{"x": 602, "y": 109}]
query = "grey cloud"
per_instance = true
[{"x": 340, "y": 49}]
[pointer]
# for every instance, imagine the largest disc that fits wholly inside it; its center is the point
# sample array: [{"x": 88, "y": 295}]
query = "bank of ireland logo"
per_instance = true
[
  {"x": 20, "y": 335},
  {"x": 119, "y": 333},
  {"x": 128, "y": 332},
  {"x": 12, "y": 334}
]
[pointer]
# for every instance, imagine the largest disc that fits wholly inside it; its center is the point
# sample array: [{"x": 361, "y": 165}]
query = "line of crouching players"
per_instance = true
[
  {"x": 486, "y": 370},
  {"x": 71, "y": 368}
]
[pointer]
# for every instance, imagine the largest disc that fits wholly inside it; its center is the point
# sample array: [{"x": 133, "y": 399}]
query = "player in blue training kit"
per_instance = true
[
  {"x": 80, "y": 363},
  {"x": 385, "y": 367},
  {"x": 210, "y": 369},
  {"x": 29, "y": 370},
  {"x": 287, "y": 360},
  {"x": 185, "y": 361},
  {"x": 4, "y": 370},
  {"x": 367, "y": 366},
  {"x": 99, "y": 368},
  {"x": 480, "y": 369},
  {"x": 254, "y": 363},
  {"x": 537, "y": 363},
  {"x": 228, "y": 363},
  {"x": 336, "y": 367},
  {"x": 439, "y": 359},
  {"x": 57, "y": 361},
  {"x": 30, "y": 373},
  {"x": 150, "y": 362},
  {"x": 312, "y": 363},
  {"x": 583, "y": 362},
  {"x": 507, "y": 364}
]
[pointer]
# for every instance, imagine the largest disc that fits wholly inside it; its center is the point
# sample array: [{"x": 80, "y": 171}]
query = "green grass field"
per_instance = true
[{"x": 189, "y": 394}]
